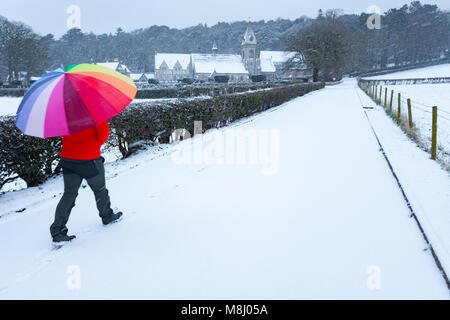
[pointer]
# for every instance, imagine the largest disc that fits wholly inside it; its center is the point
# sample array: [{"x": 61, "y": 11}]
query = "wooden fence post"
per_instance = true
[
  {"x": 385, "y": 96},
  {"x": 434, "y": 134},
  {"x": 409, "y": 113},
  {"x": 376, "y": 91},
  {"x": 399, "y": 105},
  {"x": 390, "y": 102},
  {"x": 381, "y": 90}
]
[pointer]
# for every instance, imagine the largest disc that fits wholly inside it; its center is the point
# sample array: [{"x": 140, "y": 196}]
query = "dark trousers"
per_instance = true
[{"x": 72, "y": 182}]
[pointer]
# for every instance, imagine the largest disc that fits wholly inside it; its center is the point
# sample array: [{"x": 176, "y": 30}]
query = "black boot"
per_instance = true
[
  {"x": 113, "y": 217},
  {"x": 61, "y": 237}
]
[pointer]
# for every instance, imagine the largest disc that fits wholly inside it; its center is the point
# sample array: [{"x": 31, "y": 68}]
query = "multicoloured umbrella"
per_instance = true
[{"x": 79, "y": 97}]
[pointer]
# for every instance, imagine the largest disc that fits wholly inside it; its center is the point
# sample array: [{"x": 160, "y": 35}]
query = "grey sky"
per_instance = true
[{"x": 100, "y": 16}]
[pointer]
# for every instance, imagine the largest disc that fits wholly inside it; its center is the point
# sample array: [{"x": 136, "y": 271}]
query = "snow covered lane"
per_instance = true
[{"x": 329, "y": 222}]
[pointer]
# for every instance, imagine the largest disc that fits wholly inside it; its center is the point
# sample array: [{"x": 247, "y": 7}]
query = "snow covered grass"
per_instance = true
[
  {"x": 423, "y": 98},
  {"x": 441, "y": 70},
  {"x": 330, "y": 223},
  {"x": 9, "y": 105}
]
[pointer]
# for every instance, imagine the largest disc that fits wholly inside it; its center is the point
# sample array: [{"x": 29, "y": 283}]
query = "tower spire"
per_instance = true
[{"x": 249, "y": 36}]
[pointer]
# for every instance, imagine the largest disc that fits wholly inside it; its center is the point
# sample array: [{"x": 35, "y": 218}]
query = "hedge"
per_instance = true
[
  {"x": 178, "y": 91},
  {"x": 12, "y": 92},
  {"x": 150, "y": 122},
  {"x": 196, "y": 91},
  {"x": 35, "y": 160},
  {"x": 32, "y": 159}
]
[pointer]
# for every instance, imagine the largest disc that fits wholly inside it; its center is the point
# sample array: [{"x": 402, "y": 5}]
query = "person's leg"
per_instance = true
[
  {"x": 72, "y": 183},
  {"x": 98, "y": 186}
]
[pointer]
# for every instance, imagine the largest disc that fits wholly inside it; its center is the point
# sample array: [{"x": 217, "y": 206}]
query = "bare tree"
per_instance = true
[
  {"x": 21, "y": 48},
  {"x": 323, "y": 46}
]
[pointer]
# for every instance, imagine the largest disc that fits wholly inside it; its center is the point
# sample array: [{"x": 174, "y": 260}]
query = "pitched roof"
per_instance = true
[
  {"x": 113, "y": 65},
  {"x": 221, "y": 63},
  {"x": 137, "y": 76},
  {"x": 277, "y": 56},
  {"x": 171, "y": 59},
  {"x": 267, "y": 65}
]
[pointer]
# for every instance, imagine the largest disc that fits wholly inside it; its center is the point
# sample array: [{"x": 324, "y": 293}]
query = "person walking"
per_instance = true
[{"x": 81, "y": 159}]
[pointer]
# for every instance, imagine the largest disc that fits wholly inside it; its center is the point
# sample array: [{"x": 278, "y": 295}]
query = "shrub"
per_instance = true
[
  {"x": 32, "y": 159},
  {"x": 12, "y": 92},
  {"x": 149, "y": 122}
]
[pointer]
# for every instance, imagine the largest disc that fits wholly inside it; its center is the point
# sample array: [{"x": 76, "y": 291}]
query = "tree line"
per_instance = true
[
  {"x": 332, "y": 44},
  {"x": 336, "y": 44}
]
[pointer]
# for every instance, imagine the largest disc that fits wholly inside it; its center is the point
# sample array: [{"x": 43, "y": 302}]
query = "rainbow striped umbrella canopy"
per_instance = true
[{"x": 79, "y": 97}]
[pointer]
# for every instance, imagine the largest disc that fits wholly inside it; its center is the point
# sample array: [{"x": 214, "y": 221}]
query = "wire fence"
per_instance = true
[{"x": 426, "y": 124}]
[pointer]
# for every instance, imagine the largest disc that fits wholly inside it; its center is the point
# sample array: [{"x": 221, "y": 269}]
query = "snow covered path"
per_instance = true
[{"x": 327, "y": 223}]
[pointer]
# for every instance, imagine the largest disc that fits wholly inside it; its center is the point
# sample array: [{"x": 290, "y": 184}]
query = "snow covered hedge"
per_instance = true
[
  {"x": 12, "y": 92},
  {"x": 32, "y": 159},
  {"x": 195, "y": 91},
  {"x": 150, "y": 122}
]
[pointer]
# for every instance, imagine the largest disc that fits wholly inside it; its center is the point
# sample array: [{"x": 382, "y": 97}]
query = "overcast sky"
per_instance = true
[{"x": 104, "y": 16}]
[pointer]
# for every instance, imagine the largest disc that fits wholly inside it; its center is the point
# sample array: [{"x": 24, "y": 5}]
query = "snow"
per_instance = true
[
  {"x": 171, "y": 59},
  {"x": 277, "y": 56},
  {"x": 111, "y": 65},
  {"x": 427, "y": 186},
  {"x": 114, "y": 65},
  {"x": 267, "y": 66},
  {"x": 9, "y": 105},
  {"x": 441, "y": 70},
  {"x": 423, "y": 98},
  {"x": 138, "y": 77},
  {"x": 220, "y": 63},
  {"x": 318, "y": 214}
]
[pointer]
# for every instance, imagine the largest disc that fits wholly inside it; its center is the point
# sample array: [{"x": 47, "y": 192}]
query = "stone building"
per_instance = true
[
  {"x": 116, "y": 66},
  {"x": 171, "y": 67}
]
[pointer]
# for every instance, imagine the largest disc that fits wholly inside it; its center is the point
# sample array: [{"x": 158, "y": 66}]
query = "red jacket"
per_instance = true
[{"x": 85, "y": 145}]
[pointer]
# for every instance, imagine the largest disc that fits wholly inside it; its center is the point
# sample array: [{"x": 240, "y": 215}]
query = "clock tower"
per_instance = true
[{"x": 251, "y": 52}]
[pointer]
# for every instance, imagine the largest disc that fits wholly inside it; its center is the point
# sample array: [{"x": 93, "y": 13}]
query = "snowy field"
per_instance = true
[
  {"x": 9, "y": 105},
  {"x": 441, "y": 70},
  {"x": 317, "y": 215},
  {"x": 423, "y": 98}
]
